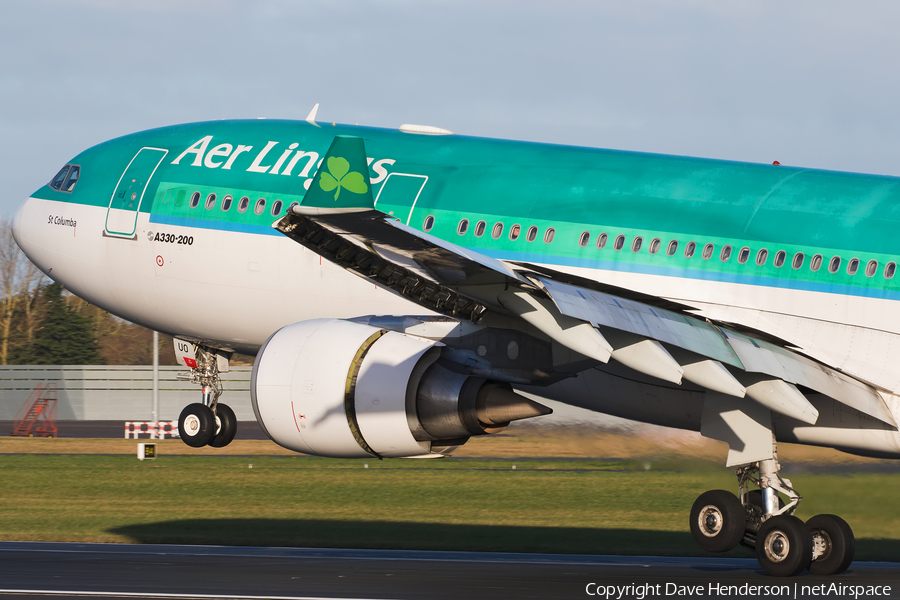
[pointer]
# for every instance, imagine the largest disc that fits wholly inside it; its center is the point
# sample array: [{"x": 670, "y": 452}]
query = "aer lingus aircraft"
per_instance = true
[{"x": 405, "y": 290}]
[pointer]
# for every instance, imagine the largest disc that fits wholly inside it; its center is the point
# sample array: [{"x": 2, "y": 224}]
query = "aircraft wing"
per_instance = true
[{"x": 650, "y": 337}]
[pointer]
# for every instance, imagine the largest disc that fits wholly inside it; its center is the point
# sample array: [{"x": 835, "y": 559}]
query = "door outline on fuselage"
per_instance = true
[
  {"x": 416, "y": 199},
  {"x": 118, "y": 211}
]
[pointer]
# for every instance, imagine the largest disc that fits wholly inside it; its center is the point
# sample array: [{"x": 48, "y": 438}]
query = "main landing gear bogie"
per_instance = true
[{"x": 763, "y": 522}]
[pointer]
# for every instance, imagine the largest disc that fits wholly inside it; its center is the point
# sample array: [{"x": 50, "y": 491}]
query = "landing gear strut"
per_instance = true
[
  {"x": 206, "y": 422},
  {"x": 762, "y": 521}
]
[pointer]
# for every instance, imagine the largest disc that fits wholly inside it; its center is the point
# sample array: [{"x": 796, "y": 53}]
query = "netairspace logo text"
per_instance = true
[{"x": 711, "y": 590}]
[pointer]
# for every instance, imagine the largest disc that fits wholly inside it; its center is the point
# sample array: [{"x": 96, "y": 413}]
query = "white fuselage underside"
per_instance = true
[{"x": 235, "y": 289}]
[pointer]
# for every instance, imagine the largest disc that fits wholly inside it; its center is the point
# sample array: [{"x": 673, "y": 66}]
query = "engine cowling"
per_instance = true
[{"x": 347, "y": 390}]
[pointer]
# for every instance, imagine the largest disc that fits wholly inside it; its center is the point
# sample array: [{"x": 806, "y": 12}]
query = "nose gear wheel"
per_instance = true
[{"x": 207, "y": 422}]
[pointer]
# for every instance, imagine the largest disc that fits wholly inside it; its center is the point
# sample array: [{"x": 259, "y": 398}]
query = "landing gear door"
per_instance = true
[
  {"x": 121, "y": 218},
  {"x": 185, "y": 353}
]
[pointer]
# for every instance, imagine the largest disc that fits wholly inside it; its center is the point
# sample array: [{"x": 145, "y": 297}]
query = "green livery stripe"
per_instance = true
[{"x": 570, "y": 189}]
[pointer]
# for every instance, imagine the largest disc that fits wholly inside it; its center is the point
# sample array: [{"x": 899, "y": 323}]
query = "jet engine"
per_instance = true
[{"x": 347, "y": 390}]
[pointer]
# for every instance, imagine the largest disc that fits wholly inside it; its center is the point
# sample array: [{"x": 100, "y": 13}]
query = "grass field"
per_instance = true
[{"x": 91, "y": 491}]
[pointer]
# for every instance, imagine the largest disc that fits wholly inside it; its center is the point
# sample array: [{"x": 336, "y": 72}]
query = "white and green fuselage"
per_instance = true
[{"x": 172, "y": 228}]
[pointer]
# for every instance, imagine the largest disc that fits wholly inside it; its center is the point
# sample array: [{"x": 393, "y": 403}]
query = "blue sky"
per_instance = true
[{"x": 806, "y": 83}]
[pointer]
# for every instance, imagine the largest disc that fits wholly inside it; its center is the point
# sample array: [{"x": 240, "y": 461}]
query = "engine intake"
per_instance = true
[{"x": 342, "y": 389}]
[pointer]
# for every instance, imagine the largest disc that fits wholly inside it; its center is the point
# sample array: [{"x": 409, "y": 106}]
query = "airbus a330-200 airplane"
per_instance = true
[{"x": 405, "y": 290}]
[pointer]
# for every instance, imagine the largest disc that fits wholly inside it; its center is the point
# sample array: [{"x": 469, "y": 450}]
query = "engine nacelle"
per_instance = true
[{"x": 347, "y": 390}]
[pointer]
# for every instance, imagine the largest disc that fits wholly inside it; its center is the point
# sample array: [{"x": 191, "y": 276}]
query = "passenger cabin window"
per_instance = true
[
  {"x": 497, "y": 231},
  {"x": 889, "y": 270},
  {"x": 66, "y": 179},
  {"x": 654, "y": 246},
  {"x": 243, "y": 204},
  {"x": 210, "y": 201},
  {"x": 260, "y": 206},
  {"x": 761, "y": 257},
  {"x": 514, "y": 232},
  {"x": 779, "y": 258},
  {"x": 835, "y": 264},
  {"x": 689, "y": 249},
  {"x": 276, "y": 208},
  {"x": 853, "y": 266},
  {"x": 291, "y": 206},
  {"x": 673, "y": 248},
  {"x": 195, "y": 199},
  {"x": 871, "y": 268},
  {"x": 548, "y": 235},
  {"x": 798, "y": 260},
  {"x": 532, "y": 233},
  {"x": 584, "y": 239},
  {"x": 708, "y": 251},
  {"x": 619, "y": 243},
  {"x": 601, "y": 241},
  {"x": 480, "y": 226},
  {"x": 636, "y": 244},
  {"x": 179, "y": 197},
  {"x": 428, "y": 225},
  {"x": 463, "y": 227},
  {"x": 226, "y": 202},
  {"x": 744, "y": 255},
  {"x": 725, "y": 254},
  {"x": 816, "y": 263}
]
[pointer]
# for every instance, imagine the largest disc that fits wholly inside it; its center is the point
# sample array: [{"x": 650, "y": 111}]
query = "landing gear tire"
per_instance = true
[
  {"x": 833, "y": 544},
  {"x": 718, "y": 521},
  {"x": 783, "y": 546},
  {"x": 196, "y": 425},
  {"x": 227, "y": 426}
]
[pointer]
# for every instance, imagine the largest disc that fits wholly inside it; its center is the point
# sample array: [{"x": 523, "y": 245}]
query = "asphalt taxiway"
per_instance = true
[{"x": 61, "y": 570}]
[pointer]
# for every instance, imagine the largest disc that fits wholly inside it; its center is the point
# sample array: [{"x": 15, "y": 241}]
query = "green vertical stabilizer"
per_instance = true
[{"x": 343, "y": 179}]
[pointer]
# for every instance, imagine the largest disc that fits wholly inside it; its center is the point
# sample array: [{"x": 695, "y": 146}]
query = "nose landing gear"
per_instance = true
[
  {"x": 762, "y": 521},
  {"x": 207, "y": 422}
]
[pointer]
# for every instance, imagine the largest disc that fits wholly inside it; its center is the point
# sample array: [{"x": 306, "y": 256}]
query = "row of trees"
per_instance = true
[{"x": 42, "y": 324}]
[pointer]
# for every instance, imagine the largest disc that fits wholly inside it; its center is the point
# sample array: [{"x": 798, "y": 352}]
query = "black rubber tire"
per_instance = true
[
  {"x": 840, "y": 544},
  {"x": 718, "y": 521},
  {"x": 783, "y": 546},
  {"x": 227, "y": 427},
  {"x": 201, "y": 426}
]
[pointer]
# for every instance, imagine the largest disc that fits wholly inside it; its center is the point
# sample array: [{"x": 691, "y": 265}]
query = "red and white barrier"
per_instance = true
[{"x": 156, "y": 430}]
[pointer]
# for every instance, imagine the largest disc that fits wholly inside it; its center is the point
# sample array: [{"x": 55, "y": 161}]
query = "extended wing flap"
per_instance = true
[
  {"x": 728, "y": 347},
  {"x": 760, "y": 356},
  {"x": 659, "y": 324}
]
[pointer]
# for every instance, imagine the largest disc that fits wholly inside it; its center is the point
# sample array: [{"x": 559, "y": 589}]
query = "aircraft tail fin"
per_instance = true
[{"x": 342, "y": 181}]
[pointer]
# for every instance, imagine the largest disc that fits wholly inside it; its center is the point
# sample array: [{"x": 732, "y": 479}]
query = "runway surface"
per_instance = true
[{"x": 57, "y": 570}]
